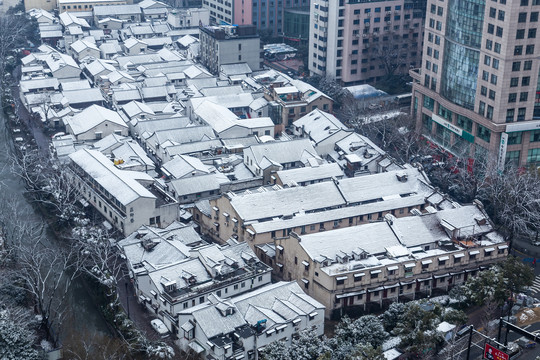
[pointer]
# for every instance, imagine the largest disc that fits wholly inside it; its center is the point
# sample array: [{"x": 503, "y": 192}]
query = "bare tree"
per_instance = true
[
  {"x": 99, "y": 257},
  {"x": 13, "y": 32},
  {"x": 96, "y": 346},
  {"x": 47, "y": 183}
]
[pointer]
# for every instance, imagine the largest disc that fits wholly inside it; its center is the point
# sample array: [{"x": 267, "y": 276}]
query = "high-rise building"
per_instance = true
[
  {"x": 232, "y": 12},
  {"x": 477, "y": 92},
  {"x": 358, "y": 42},
  {"x": 269, "y": 15}
]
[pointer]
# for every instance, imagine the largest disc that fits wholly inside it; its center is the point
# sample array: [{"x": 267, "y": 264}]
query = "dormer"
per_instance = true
[{"x": 168, "y": 285}]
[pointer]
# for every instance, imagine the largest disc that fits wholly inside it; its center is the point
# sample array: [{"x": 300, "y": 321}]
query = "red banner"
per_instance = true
[{"x": 492, "y": 353}]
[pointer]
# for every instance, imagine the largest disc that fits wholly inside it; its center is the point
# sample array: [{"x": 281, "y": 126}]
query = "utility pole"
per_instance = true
[{"x": 471, "y": 328}]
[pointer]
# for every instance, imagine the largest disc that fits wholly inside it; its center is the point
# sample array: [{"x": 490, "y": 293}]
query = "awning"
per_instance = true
[
  {"x": 153, "y": 293},
  {"x": 472, "y": 270},
  {"x": 250, "y": 232},
  {"x": 241, "y": 356},
  {"x": 441, "y": 276},
  {"x": 349, "y": 294},
  {"x": 489, "y": 249},
  {"x": 443, "y": 258},
  {"x": 392, "y": 268},
  {"x": 235, "y": 220},
  {"x": 305, "y": 263},
  {"x": 391, "y": 286},
  {"x": 313, "y": 314},
  {"x": 279, "y": 265},
  {"x": 196, "y": 347},
  {"x": 409, "y": 266},
  {"x": 279, "y": 247},
  {"x": 427, "y": 262},
  {"x": 502, "y": 247},
  {"x": 474, "y": 252},
  {"x": 296, "y": 321},
  {"x": 216, "y": 224},
  {"x": 161, "y": 299},
  {"x": 407, "y": 282},
  {"x": 271, "y": 331},
  {"x": 423, "y": 279},
  {"x": 226, "y": 214},
  {"x": 215, "y": 208},
  {"x": 305, "y": 281},
  {"x": 457, "y": 273},
  {"x": 376, "y": 272},
  {"x": 339, "y": 278},
  {"x": 376, "y": 289},
  {"x": 359, "y": 275},
  {"x": 281, "y": 327},
  {"x": 457, "y": 256}
]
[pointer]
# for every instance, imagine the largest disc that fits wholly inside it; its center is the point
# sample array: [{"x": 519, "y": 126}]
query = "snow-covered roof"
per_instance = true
[
  {"x": 122, "y": 185},
  {"x": 81, "y": 45},
  {"x": 92, "y": 117},
  {"x": 183, "y": 165},
  {"x": 308, "y": 173},
  {"x": 282, "y": 152},
  {"x": 82, "y": 96},
  {"x": 28, "y": 85},
  {"x": 319, "y": 125}
]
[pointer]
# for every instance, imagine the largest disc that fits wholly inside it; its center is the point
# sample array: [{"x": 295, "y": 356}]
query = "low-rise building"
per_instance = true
[
  {"x": 240, "y": 327},
  {"x": 395, "y": 259},
  {"x": 95, "y": 123},
  {"x": 270, "y": 212},
  {"x": 172, "y": 275},
  {"x": 127, "y": 199}
]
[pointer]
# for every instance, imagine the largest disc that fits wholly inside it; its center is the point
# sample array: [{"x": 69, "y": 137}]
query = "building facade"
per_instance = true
[
  {"x": 477, "y": 91},
  {"x": 229, "y": 45},
  {"x": 357, "y": 42},
  {"x": 398, "y": 259},
  {"x": 233, "y": 12}
]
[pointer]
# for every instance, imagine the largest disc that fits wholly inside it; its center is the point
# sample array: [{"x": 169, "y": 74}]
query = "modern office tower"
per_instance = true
[
  {"x": 269, "y": 15},
  {"x": 477, "y": 92},
  {"x": 358, "y": 42}
]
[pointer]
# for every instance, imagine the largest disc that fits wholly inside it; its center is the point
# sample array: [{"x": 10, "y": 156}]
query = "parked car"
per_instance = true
[{"x": 160, "y": 327}]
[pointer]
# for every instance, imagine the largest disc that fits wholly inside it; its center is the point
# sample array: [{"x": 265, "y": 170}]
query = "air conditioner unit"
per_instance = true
[
  {"x": 368, "y": 14},
  {"x": 366, "y": 24},
  {"x": 388, "y": 23},
  {"x": 388, "y": 13},
  {"x": 364, "y": 35}
]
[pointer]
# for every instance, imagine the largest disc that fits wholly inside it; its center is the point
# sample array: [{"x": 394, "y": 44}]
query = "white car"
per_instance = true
[{"x": 160, "y": 327}]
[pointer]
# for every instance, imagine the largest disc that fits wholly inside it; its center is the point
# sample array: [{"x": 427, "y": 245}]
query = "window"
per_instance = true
[
  {"x": 532, "y": 33},
  {"x": 482, "y": 108},
  {"x": 497, "y": 48},
  {"x": 520, "y": 34},
  {"x": 491, "y": 29},
  {"x": 535, "y": 136},
  {"x": 489, "y": 44},
  {"x": 522, "y": 17},
  {"x": 499, "y": 32},
  {"x": 489, "y": 113},
  {"x": 495, "y": 64},
  {"x": 510, "y": 115},
  {"x": 485, "y": 75},
  {"x": 483, "y": 133},
  {"x": 529, "y": 49},
  {"x": 521, "y": 114},
  {"x": 533, "y": 156},
  {"x": 514, "y": 82},
  {"x": 523, "y": 96},
  {"x": 483, "y": 91},
  {"x": 487, "y": 60},
  {"x": 492, "y": 12},
  {"x": 518, "y": 50},
  {"x": 512, "y": 97},
  {"x": 527, "y": 65},
  {"x": 501, "y": 15},
  {"x": 492, "y": 94},
  {"x": 534, "y": 16},
  {"x": 514, "y": 138},
  {"x": 516, "y": 65},
  {"x": 494, "y": 79},
  {"x": 512, "y": 159}
]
